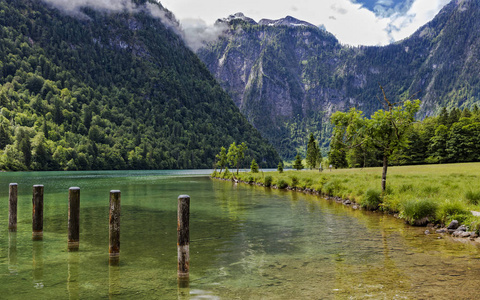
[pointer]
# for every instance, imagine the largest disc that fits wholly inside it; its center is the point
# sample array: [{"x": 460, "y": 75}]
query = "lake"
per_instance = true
[{"x": 247, "y": 242}]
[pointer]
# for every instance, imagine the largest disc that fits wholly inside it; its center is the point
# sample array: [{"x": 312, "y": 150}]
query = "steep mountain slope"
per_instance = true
[
  {"x": 287, "y": 77},
  {"x": 109, "y": 90}
]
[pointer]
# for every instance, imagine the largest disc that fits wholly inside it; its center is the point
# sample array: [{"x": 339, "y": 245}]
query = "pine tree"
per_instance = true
[
  {"x": 254, "y": 166},
  {"x": 298, "y": 165},
  {"x": 312, "y": 152},
  {"x": 280, "y": 167}
]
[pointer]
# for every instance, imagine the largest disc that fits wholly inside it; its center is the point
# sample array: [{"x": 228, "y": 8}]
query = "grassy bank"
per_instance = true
[{"x": 420, "y": 194}]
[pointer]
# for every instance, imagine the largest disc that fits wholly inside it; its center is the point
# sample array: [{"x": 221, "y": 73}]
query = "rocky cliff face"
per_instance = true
[{"x": 288, "y": 76}]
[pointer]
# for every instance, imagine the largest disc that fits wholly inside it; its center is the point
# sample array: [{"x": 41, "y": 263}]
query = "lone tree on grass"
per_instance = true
[
  {"x": 313, "y": 153},
  {"x": 254, "y": 166},
  {"x": 387, "y": 130},
  {"x": 236, "y": 154},
  {"x": 298, "y": 165}
]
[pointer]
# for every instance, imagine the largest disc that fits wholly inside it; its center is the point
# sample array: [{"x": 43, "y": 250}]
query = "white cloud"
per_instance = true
[{"x": 349, "y": 22}]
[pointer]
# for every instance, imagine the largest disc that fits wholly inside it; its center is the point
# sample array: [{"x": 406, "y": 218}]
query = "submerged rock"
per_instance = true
[
  {"x": 443, "y": 230},
  {"x": 427, "y": 232}
]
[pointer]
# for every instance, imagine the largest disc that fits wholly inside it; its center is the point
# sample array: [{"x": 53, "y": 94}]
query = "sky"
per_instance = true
[{"x": 353, "y": 22}]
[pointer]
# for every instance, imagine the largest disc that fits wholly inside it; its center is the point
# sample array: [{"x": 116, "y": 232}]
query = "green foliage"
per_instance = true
[
  {"x": 282, "y": 184},
  {"x": 416, "y": 210},
  {"x": 280, "y": 167},
  {"x": 298, "y": 165},
  {"x": 222, "y": 159},
  {"x": 294, "y": 180},
  {"x": 93, "y": 93},
  {"x": 236, "y": 154},
  {"x": 371, "y": 200},
  {"x": 254, "y": 166},
  {"x": 313, "y": 153},
  {"x": 450, "y": 210},
  {"x": 268, "y": 181},
  {"x": 473, "y": 197}
]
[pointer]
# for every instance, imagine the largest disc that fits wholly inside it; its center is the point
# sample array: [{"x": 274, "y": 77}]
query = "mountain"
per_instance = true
[
  {"x": 287, "y": 79},
  {"x": 84, "y": 88}
]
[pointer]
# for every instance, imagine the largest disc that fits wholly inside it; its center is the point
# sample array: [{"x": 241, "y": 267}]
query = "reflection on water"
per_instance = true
[
  {"x": 38, "y": 264},
  {"x": 73, "y": 275},
  {"x": 12, "y": 253},
  {"x": 247, "y": 242}
]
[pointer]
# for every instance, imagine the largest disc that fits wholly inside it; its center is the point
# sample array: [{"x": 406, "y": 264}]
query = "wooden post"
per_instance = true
[
  {"x": 73, "y": 219},
  {"x": 12, "y": 207},
  {"x": 183, "y": 236},
  {"x": 114, "y": 228},
  {"x": 37, "y": 214},
  {"x": 38, "y": 265}
]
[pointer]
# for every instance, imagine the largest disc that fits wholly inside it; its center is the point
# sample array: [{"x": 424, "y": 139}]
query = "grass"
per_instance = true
[{"x": 451, "y": 190}]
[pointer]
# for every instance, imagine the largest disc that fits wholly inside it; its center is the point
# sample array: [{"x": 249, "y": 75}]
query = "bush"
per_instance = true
[
  {"x": 281, "y": 184},
  {"x": 226, "y": 174},
  {"x": 371, "y": 200},
  {"x": 332, "y": 188},
  {"x": 473, "y": 197},
  {"x": 268, "y": 180},
  {"x": 418, "y": 212},
  {"x": 294, "y": 181},
  {"x": 254, "y": 166},
  {"x": 452, "y": 210}
]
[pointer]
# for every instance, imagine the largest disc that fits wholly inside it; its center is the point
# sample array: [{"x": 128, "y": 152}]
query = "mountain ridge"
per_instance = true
[
  {"x": 300, "y": 75},
  {"x": 115, "y": 90}
]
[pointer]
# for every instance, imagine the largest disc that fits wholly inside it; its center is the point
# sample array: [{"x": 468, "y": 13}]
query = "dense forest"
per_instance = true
[
  {"x": 109, "y": 90},
  {"x": 453, "y": 136}
]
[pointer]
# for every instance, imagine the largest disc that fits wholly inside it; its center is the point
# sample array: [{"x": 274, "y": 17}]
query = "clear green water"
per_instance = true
[{"x": 246, "y": 243}]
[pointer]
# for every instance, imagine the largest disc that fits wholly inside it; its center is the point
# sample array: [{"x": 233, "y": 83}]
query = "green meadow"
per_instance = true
[{"x": 419, "y": 194}]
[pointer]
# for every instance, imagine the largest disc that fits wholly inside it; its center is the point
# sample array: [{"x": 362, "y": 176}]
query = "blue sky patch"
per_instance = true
[{"x": 386, "y": 8}]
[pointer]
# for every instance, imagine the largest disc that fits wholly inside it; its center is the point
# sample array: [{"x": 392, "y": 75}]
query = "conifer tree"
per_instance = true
[{"x": 298, "y": 165}]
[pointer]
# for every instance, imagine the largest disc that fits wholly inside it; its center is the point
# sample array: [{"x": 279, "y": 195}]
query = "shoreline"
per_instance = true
[{"x": 456, "y": 232}]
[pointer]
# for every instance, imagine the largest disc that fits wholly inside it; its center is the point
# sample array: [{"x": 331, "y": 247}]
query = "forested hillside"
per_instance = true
[
  {"x": 107, "y": 90},
  {"x": 288, "y": 78}
]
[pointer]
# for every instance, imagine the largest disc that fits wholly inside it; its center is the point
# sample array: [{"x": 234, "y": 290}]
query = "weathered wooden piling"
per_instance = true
[
  {"x": 37, "y": 214},
  {"x": 183, "y": 236},
  {"x": 12, "y": 207},
  {"x": 114, "y": 227},
  {"x": 73, "y": 219}
]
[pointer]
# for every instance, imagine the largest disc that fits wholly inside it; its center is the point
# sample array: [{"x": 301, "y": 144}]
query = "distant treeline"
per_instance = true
[{"x": 452, "y": 136}]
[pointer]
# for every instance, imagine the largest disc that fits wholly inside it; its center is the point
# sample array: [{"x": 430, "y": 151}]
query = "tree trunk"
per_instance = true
[{"x": 384, "y": 173}]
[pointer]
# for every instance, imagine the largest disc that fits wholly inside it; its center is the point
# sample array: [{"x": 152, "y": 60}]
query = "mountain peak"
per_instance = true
[
  {"x": 287, "y": 21},
  {"x": 237, "y": 16}
]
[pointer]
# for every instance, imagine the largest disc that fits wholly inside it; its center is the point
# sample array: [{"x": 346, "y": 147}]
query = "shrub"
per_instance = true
[
  {"x": 280, "y": 167},
  {"x": 418, "y": 212},
  {"x": 452, "y": 210},
  {"x": 281, "y": 184},
  {"x": 294, "y": 181},
  {"x": 268, "y": 181},
  {"x": 332, "y": 187},
  {"x": 371, "y": 200},
  {"x": 473, "y": 197},
  {"x": 226, "y": 174}
]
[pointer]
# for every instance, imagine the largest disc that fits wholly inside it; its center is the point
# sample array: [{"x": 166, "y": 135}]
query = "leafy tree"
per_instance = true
[
  {"x": 298, "y": 165},
  {"x": 254, "y": 166},
  {"x": 236, "y": 154},
  {"x": 222, "y": 159},
  {"x": 387, "y": 130}
]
